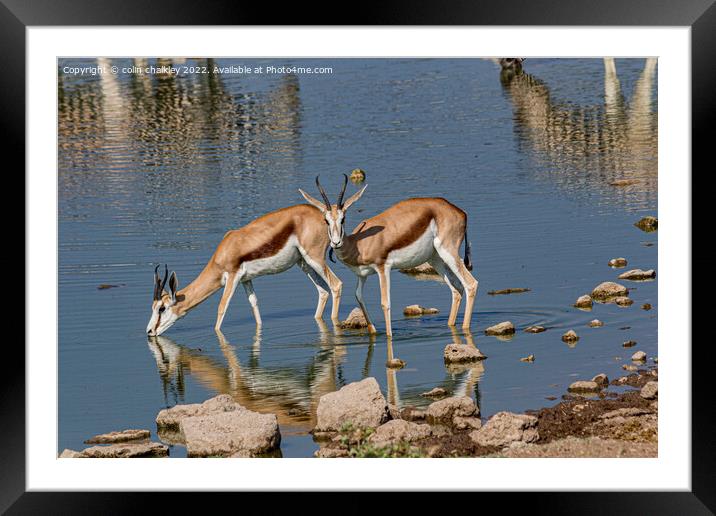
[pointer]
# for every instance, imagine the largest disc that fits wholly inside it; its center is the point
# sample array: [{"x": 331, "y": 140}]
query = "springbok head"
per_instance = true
[
  {"x": 334, "y": 214},
  {"x": 163, "y": 313}
]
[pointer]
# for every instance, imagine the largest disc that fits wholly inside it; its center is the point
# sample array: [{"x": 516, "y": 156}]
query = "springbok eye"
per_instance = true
[{"x": 161, "y": 309}]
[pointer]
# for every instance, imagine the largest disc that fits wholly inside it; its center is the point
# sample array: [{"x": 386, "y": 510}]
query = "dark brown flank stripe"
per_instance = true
[
  {"x": 417, "y": 229},
  {"x": 270, "y": 248}
]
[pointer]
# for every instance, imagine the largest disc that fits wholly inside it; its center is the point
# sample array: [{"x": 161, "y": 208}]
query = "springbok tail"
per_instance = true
[{"x": 467, "y": 260}]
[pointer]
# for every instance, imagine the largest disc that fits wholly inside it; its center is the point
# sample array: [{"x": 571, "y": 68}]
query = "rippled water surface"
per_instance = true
[{"x": 156, "y": 168}]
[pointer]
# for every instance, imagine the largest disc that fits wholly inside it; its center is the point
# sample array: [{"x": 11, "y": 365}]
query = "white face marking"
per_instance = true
[
  {"x": 336, "y": 231},
  {"x": 163, "y": 316}
]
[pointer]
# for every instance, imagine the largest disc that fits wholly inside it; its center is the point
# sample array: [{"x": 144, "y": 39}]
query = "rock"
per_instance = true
[
  {"x": 505, "y": 428},
  {"x": 359, "y": 403},
  {"x": 399, "y": 430},
  {"x": 528, "y": 358},
  {"x": 119, "y": 437},
  {"x": 650, "y": 390},
  {"x": 630, "y": 367},
  {"x": 624, "y": 412},
  {"x": 171, "y": 417},
  {"x": 105, "y": 286},
  {"x": 583, "y": 302},
  {"x": 570, "y": 336},
  {"x": 357, "y": 175},
  {"x": 646, "y": 306},
  {"x": 581, "y": 447},
  {"x": 444, "y": 411},
  {"x": 535, "y": 329},
  {"x": 623, "y": 301},
  {"x": 629, "y": 343},
  {"x": 355, "y": 320},
  {"x": 330, "y": 452},
  {"x": 503, "y": 328},
  {"x": 459, "y": 353},
  {"x": 638, "y": 274},
  {"x": 639, "y": 356},
  {"x": 415, "y": 310},
  {"x": 618, "y": 262},
  {"x": 584, "y": 386},
  {"x": 647, "y": 224},
  {"x": 609, "y": 289},
  {"x": 507, "y": 291},
  {"x": 126, "y": 450},
  {"x": 601, "y": 379},
  {"x": 394, "y": 411},
  {"x": 424, "y": 269},
  {"x": 595, "y": 323},
  {"x": 437, "y": 392},
  {"x": 412, "y": 414},
  {"x": 223, "y": 434},
  {"x": 623, "y": 182},
  {"x": 395, "y": 363},
  {"x": 463, "y": 423},
  {"x": 70, "y": 454}
]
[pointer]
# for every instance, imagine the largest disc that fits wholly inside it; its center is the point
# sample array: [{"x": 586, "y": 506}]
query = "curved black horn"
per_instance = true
[
  {"x": 343, "y": 191},
  {"x": 157, "y": 284},
  {"x": 323, "y": 194},
  {"x": 166, "y": 277}
]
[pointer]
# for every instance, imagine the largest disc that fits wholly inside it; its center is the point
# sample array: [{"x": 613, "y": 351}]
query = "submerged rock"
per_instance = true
[
  {"x": 503, "y": 328},
  {"x": 357, "y": 175},
  {"x": 507, "y": 291},
  {"x": 505, "y": 428},
  {"x": 584, "y": 386},
  {"x": 119, "y": 437},
  {"x": 595, "y": 323},
  {"x": 623, "y": 301},
  {"x": 638, "y": 274},
  {"x": 535, "y": 329},
  {"x": 629, "y": 343},
  {"x": 237, "y": 433},
  {"x": 646, "y": 306},
  {"x": 355, "y": 320},
  {"x": 528, "y": 358},
  {"x": 126, "y": 450},
  {"x": 395, "y": 363},
  {"x": 415, "y": 310},
  {"x": 359, "y": 403},
  {"x": 458, "y": 353},
  {"x": 601, "y": 379},
  {"x": 437, "y": 392},
  {"x": 609, "y": 289},
  {"x": 647, "y": 223},
  {"x": 583, "y": 302},
  {"x": 570, "y": 336},
  {"x": 618, "y": 262}
]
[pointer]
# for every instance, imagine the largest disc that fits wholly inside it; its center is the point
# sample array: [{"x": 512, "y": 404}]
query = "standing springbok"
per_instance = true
[
  {"x": 268, "y": 245},
  {"x": 407, "y": 234}
]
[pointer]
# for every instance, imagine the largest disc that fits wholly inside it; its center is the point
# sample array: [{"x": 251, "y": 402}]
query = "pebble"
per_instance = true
[
  {"x": 529, "y": 358},
  {"x": 623, "y": 301},
  {"x": 595, "y": 323},
  {"x": 639, "y": 356},
  {"x": 629, "y": 343},
  {"x": 570, "y": 336},
  {"x": 647, "y": 223},
  {"x": 583, "y": 302},
  {"x": 638, "y": 274},
  {"x": 503, "y": 328},
  {"x": 535, "y": 329},
  {"x": 618, "y": 262}
]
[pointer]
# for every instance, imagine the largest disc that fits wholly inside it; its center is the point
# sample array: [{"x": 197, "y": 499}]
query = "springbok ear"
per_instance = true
[
  {"x": 173, "y": 286},
  {"x": 353, "y": 198},
  {"x": 318, "y": 204}
]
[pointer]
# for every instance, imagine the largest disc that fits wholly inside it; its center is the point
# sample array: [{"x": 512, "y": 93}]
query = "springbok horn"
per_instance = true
[
  {"x": 164, "y": 281},
  {"x": 343, "y": 191},
  {"x": 323, "y": 194},
  {"x": 157, "y": 284}
]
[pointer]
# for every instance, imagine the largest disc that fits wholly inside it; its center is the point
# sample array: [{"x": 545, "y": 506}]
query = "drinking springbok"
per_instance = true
[
  {"x": 268, "y": 245},
  {"x": 407, "y": 234}
]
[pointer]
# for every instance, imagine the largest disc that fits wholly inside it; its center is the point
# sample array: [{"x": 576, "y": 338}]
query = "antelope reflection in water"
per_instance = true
[
  {"x": 608, "y": 145},
  {"x": 292, "y": 393}
]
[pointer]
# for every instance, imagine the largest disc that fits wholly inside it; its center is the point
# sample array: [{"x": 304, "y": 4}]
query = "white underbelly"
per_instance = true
[
  {"x": 280, "y": 262},
  {"x": 416, "y": 253}
]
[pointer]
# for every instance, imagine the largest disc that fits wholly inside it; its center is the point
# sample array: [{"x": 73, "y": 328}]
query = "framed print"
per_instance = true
[{"x": 438, "y": 246}]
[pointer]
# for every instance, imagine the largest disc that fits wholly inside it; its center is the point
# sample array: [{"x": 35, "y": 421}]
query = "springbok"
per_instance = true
[
  {"x": 268, "y": 245},
  {"x": 407, "y": 234}
]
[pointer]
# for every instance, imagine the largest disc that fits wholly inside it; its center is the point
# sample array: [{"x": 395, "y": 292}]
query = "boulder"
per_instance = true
[
  {"x": 355, "y": 320},
  {"x": 415, "y": 310},
  {"x": 503, "y": 328},
  {"x": 618, "y": 262},
  {"x": 623, "y": 301},
  {"x": 595, "y": 323},
  {"x": 172, "y": 417},
  {"x": 535, "y": 329},
  {"x": 638, "y": 274},
  {"x": 609, "y": 289},
  {"x": 570, "y": 336},
  {"x": 237, "y": 433},
  {"x": 650, "y": 391},
  {"x": 444, "y": 411},
  {"x": 70, "y": 454},
  {"x": 126, "y": 450},
  {"x": 639, "y": 356},
  {"x": 359, "y": 403},
  {"x": 459, "y": 353},
  {"x": 584, "y": 386},
  {"x": 601, "y": 379},
  {"x": 119, "y": 437},
  {"x": 647, "y": 223},
  {"x": 505, "y": 428},
  {"x": 583, "y": 302},
  {"x": 399, "y": 430}
]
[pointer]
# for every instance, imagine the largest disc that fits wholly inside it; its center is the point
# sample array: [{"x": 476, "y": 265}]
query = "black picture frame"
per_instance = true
[{"x": 17, "y": 15}]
